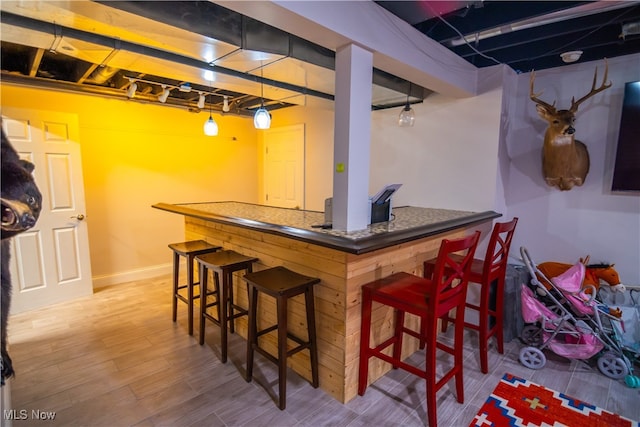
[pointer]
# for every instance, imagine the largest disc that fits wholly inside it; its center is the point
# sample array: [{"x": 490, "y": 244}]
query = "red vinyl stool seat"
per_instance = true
[
  {"x": 189, "y": 250},
  {"x": 282, "y": 284},
  {"x": 489, "y": 273},
  {"x": 430, "y": 299},
  {"x": 224, "y": 264}
]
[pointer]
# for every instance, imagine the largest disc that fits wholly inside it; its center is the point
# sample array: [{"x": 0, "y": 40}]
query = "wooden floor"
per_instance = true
[{"x": 116, "y": 359}]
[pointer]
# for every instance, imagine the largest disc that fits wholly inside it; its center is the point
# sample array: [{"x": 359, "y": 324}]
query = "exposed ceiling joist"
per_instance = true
[{"x": 263, "y": 58}]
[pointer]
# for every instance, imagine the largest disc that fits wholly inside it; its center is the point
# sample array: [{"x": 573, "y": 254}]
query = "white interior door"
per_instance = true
[
  {"x": 284, "y": 167},
  {"x": 50, "y": 263}
]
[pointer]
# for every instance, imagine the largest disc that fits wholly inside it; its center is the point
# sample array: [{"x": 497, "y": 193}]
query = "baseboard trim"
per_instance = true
[{"x": 131, "y": 275}]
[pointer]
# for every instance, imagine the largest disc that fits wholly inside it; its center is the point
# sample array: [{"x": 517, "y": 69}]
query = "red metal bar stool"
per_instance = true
[
  {"x": 224, "y": 264},
  {"x": 282, "y": 284},
  {"x": 189, "y": 250},
  {"x": 490, "y": 275},
  {"x": 430, "y": 299}
]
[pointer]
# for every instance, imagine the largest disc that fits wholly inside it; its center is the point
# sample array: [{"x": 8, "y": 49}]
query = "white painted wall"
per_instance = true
[
  {"x": 587, "y": 220},
  {"x": 483, "y": 153},
  {"x": 448, "y": 159}
]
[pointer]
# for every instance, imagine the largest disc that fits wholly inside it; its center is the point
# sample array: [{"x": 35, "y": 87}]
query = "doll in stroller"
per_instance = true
[{"x": 571, "y": 323}]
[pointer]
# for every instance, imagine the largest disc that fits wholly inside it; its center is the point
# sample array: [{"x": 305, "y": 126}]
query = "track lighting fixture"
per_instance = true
[
  {"x": 164, "y": 95},
  {"x": 407, "y": 117},
  {"x": 262, "y": 118},
  {"x": 132, "y": 88},
  {"x": 210, "y": 126}
]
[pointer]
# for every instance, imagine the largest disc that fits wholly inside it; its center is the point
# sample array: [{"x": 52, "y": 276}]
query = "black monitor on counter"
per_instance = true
[
  {"x": 381, "y": 203},
  {"x": 385, "y": 194}
]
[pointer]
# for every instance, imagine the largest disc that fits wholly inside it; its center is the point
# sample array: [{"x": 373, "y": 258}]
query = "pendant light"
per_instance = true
[
  {"x": 262, "y": 118},
  {"x": 210, "y": 126},
  {"x": 407, "y": 117}
]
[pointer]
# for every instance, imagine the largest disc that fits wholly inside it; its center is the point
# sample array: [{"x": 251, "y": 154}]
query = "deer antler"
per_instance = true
[
  {"x": 534, "y": 96},
  {"x": 603, "y": 86}
]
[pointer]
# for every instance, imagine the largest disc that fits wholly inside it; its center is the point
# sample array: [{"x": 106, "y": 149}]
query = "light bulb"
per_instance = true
[
  {"x": 225, "y": 104},
  {"x": 262, "y": 119},
  {"x": 210, "y": 127},
  {"x": 407, "y": 117}
]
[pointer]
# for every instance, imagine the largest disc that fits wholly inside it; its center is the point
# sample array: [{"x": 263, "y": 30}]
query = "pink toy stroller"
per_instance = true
[{"x": 569, "y": 322}]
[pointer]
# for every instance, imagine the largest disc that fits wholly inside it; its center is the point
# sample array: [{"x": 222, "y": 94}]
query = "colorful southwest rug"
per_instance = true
[{"x": 521, "y": 403}]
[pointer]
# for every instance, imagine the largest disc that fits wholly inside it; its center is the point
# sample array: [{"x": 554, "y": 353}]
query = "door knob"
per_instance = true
[{"x": 79, "y": 217}]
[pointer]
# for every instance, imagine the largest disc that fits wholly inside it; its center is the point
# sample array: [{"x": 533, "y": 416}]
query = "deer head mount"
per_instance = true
[{"x": 565, "y": 160}]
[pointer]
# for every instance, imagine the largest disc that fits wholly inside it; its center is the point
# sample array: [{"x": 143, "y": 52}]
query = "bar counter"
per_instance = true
[{"x": 344, "y": 261}]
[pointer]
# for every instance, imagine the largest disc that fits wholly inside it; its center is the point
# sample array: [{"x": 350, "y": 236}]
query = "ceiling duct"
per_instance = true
[
  {"x": 49, "y": 28},
  {"x": 105, "y": 59},
  {"x": 219, "y": 23},
  {"x": 102, "y": 74},
  {"x": 539, "y": 21}
]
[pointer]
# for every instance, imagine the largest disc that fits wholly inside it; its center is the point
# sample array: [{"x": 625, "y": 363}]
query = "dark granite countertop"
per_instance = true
[{"x": 408, "y": 223}]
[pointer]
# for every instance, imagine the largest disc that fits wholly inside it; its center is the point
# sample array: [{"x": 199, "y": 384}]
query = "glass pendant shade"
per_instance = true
[
  {"x": 407, "y": 117},
  {"x": 262, "y": 119},
  {"x": 210, "y": 127}
]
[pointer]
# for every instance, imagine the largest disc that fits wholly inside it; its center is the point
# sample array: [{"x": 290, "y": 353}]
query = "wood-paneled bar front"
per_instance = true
[{"x": 344, "y": 261}]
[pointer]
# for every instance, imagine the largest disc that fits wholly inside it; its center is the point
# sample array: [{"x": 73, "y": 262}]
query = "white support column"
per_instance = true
[{"x": 352, "y": 138}]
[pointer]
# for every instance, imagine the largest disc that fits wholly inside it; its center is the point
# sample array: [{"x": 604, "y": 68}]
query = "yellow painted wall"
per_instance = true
[
  {"x": 448, "y": 159},
  {"x": 137, "y": 154}
]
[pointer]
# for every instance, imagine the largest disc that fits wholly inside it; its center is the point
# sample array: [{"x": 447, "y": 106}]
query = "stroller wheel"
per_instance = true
[
  {"x": 530, "y": 335},
  {"x": 532, "y": 358},
  {"x": 613, "y": 366}
]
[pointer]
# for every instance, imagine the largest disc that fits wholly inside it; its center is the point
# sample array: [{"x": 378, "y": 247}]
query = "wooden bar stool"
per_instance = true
[
  {"x": 489, "y": 273},
  {"x": 224, "y": 264},
  {"x": 282, "y": 284},
  {"x": 429, "y": 299},
  {"x": 189, "y": 250}
]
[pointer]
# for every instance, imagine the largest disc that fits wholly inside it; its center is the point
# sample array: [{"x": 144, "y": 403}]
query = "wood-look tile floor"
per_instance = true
[{"x": 116, "y": 359}]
